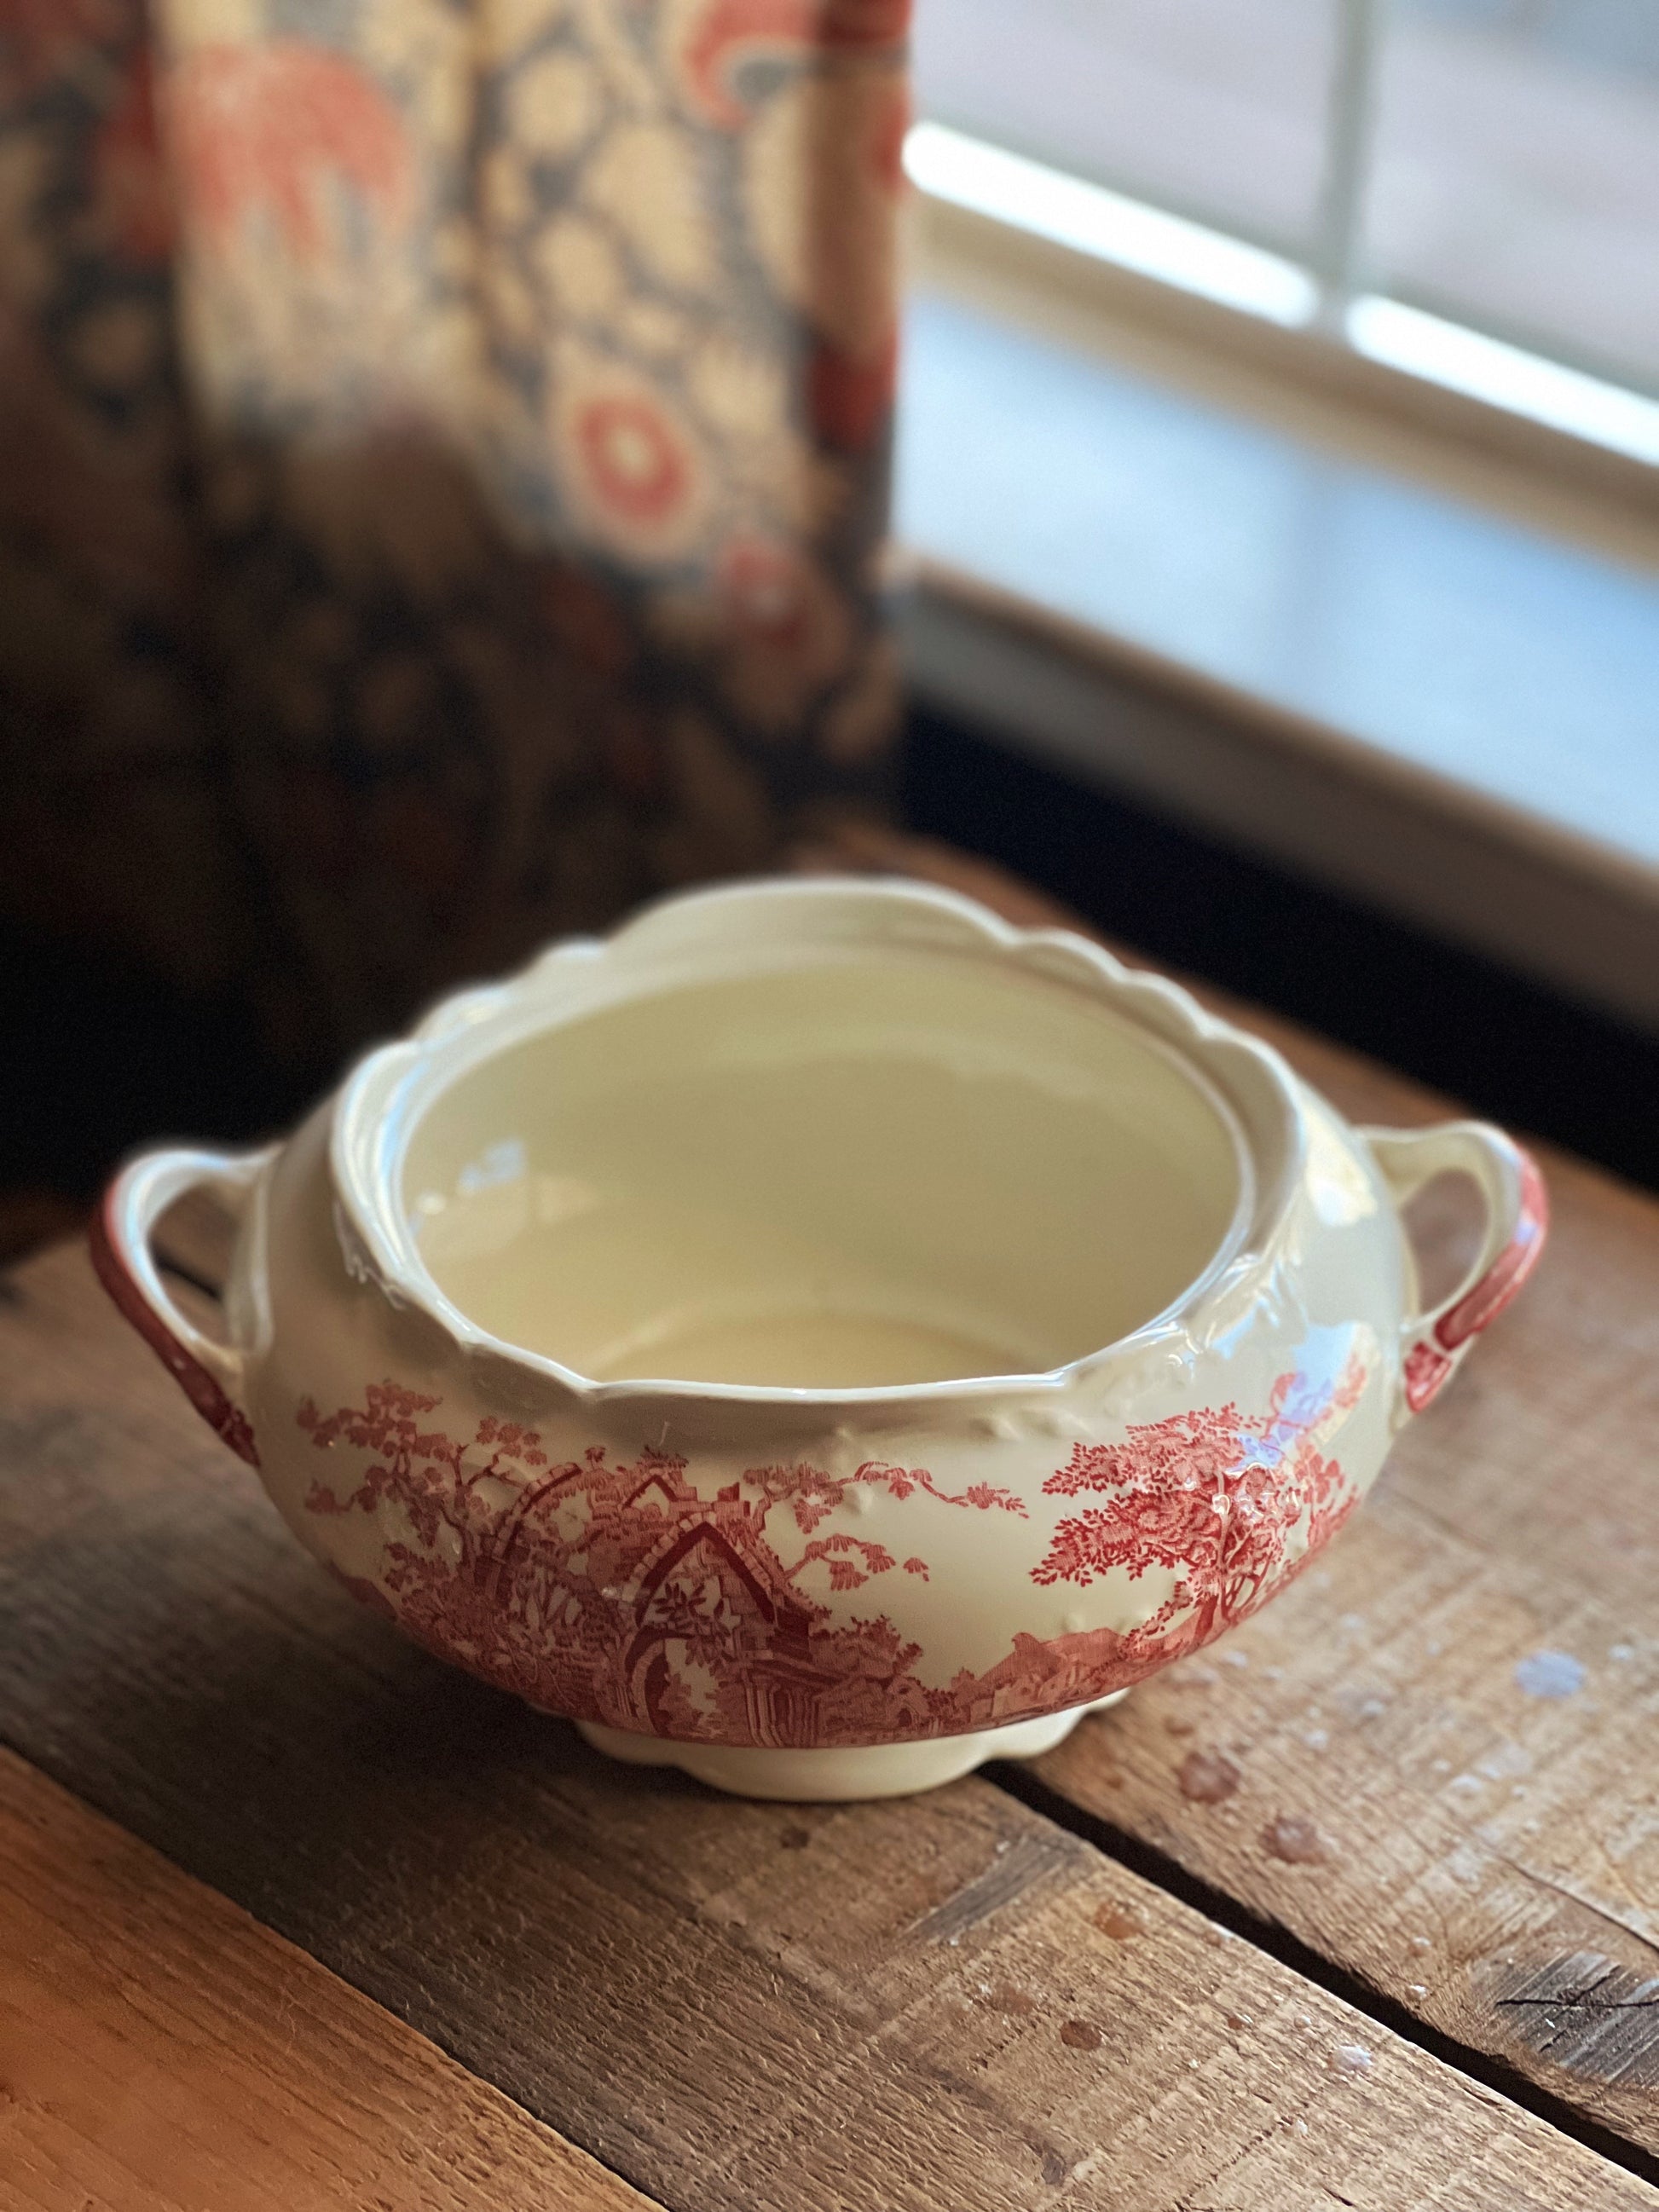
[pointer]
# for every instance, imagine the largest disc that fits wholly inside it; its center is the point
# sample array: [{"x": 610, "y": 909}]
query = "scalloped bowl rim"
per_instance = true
[{"x": 394, "y": 1086}]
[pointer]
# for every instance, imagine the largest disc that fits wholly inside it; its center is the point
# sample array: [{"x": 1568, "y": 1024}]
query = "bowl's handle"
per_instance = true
[
  {"x": 1433, "y": 1344},
  {"x": 209, "y": 1373}
]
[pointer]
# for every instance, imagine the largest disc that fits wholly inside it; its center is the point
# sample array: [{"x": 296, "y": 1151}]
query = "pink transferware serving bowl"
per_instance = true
[{"x": 819, "y": 1336}]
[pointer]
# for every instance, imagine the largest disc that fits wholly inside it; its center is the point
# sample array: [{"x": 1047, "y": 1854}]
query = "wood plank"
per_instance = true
[
  {"x": 950, "y": 2004},
  {"x": 1489, "y": 1817},
  {"x": 159, "y": 2048}
]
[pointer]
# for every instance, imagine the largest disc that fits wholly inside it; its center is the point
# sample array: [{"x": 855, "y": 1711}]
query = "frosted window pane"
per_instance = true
[
  {"x": 1215, "y": 108},
  {"x": 1516, "y": 182}
]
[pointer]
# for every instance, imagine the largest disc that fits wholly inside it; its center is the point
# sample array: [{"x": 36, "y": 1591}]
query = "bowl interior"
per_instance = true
[{"x": 861, "y": 1171}]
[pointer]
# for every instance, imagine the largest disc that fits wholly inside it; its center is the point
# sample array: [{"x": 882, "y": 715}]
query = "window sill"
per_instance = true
[{"x": 1382, "y": 662}]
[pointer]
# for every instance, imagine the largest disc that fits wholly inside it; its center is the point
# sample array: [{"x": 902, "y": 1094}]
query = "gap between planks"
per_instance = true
[
  {"x": 1151, "y": 1865},
  {"x": 159, "y": 2048}
]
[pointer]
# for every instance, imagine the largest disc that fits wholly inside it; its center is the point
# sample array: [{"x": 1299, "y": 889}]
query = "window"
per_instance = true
[{"x": 1465, "y": 190}]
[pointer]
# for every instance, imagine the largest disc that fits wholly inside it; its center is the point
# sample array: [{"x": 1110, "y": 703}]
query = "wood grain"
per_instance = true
[
  {"x": 159, "y": 2049},
  {"x": 1490, "y": 1854},
  {"x": 950, "y": 2004}
]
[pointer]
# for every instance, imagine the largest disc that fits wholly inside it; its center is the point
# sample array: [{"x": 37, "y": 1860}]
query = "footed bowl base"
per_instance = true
[{"x": 839, "y": 1777}]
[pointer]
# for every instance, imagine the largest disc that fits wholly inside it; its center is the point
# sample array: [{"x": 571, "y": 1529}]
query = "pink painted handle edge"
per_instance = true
[
  {"x": 1434, "y": 1344},
  {"x": 208, "y": 1373}
]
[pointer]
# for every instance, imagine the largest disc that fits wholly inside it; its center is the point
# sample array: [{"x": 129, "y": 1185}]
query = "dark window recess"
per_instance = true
[
  {"x": 99, "y": 1060},
  {"x": 1515, "y": 1050}
]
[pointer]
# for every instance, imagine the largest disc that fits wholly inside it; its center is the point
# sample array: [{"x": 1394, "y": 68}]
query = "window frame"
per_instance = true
[
  {"x": 1323, "y": 799},
  {"x": 1461, "y": 377}
]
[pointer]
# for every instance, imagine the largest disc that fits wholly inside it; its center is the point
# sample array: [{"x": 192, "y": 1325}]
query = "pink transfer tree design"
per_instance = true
[{"x": 1215, "y": 1496}]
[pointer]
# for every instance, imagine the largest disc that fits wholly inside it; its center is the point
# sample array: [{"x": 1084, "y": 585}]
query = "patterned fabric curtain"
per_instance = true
[{"x": 442, "y": 470}]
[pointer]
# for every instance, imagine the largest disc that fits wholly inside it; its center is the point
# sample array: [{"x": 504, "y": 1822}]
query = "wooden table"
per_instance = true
[{"x": 1361, "y": 1909}]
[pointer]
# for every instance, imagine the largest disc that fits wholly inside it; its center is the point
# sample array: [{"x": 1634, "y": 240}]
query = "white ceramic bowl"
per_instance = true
[{"x": 821, "y": 1336}]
